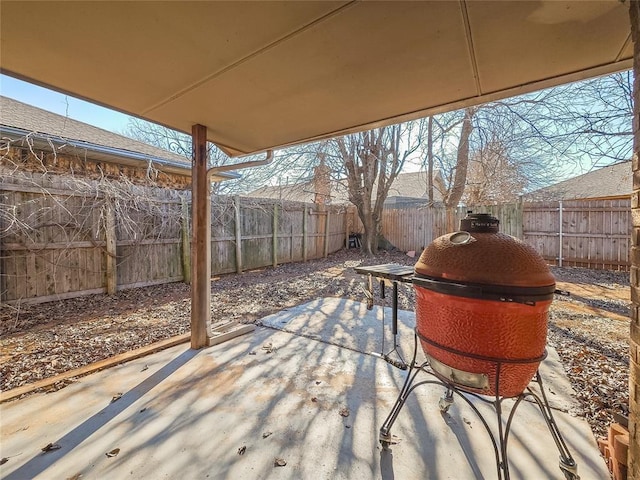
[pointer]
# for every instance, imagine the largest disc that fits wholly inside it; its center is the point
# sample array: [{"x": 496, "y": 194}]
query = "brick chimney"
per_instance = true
[{"x": 321, "y": 182}]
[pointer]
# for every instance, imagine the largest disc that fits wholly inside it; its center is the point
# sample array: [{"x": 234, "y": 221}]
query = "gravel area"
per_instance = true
[{"x": 589, "y": 328}]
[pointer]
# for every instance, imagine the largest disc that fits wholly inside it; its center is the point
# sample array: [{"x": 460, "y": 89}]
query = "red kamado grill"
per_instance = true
[{"x": 482, "y": 301}]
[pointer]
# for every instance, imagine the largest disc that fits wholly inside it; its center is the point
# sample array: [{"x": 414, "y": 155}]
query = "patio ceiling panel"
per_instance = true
[
  {"x": 134, "y": 55},
  {"x": 262, "y": 75},
  {"x": 368, "y": 53},
  {"x": 521, "y": 42}
]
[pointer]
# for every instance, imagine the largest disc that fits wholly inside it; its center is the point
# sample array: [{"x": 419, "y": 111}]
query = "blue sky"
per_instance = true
[{"x": 63, "y": 104}]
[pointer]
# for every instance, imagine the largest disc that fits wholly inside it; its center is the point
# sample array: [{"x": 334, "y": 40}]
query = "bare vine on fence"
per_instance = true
[
  {"x": 49, "y": 204},
  {"x": 65, "y": 216}
]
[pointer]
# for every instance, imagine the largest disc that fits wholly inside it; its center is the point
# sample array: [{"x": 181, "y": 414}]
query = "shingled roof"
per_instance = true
[
  {"x": 412, "y": 185},
  {"x": 607, "y": 182},
  {"x": 297, "y": 192},
  {"x": 18, "y": 119},
  {"x": 33, "y": 119}
]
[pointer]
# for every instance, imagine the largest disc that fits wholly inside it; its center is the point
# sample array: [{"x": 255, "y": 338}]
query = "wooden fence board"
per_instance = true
[{"x": 223, "y": 257}]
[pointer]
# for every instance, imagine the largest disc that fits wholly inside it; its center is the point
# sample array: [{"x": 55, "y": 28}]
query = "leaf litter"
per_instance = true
[{"x": 589, "y": 328}]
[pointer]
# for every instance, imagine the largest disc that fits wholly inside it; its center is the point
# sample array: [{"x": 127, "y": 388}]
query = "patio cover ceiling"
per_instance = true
[{"x": 262, "y": 75}]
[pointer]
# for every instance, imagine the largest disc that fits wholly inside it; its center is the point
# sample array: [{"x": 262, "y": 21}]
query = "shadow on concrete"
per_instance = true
[{"x": 75, "y": 437}]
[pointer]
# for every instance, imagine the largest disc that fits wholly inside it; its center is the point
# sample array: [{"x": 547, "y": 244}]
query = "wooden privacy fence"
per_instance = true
[
  {"x": 249, "y": 233},
  {"x": 62, "y": 238},
  {"x": 583, "y": 233},
  {"x": 414, "y": 227}
]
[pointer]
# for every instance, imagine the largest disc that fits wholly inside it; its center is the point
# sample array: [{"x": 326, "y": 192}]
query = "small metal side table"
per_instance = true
[{"x": 396, "y": 274}]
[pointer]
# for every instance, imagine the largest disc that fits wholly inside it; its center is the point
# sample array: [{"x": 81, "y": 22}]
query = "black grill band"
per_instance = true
[{"x": 499, "y": 293}]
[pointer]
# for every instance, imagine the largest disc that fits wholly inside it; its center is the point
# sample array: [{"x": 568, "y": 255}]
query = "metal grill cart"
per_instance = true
[{"x": 482, "y": 329}]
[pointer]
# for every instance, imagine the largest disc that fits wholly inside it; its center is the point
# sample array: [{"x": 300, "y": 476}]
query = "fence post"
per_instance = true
[
  {"x": 326, "y": 234},
  {"x": 560, "y": 253},
  {"x": 186, "y": 244},
  {"x": 305, "y": 213},
  {"x": 275, "y": 235},
  {"x": 346, "y": 228},
  {"x": 520, "y": 218},
  {"x": 238, "y": 232},
  {"x": 110, "y": 237}
]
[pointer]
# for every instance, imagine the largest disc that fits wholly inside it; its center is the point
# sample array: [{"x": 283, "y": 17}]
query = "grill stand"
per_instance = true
[
  {"x": 394, "y": 352},
  {"x": 393, "y": 273},
  {"x": 567, "y": 464}
]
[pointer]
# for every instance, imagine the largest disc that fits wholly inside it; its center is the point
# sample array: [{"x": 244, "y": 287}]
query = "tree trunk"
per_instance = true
[
  {"x": 462, "y": 161},
  {"x": 634, "y": 334},
  {"x": 370, "y": 243}
]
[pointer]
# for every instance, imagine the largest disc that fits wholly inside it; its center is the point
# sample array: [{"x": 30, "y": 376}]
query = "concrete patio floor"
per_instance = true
[{"x": 187, "y": 414}]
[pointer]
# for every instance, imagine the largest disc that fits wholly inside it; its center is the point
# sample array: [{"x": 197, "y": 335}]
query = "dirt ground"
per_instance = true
[{"x": 589, "y": 327}]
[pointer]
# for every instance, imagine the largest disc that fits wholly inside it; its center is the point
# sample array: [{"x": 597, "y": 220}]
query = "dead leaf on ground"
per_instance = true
[
  {"x": 314, "y": 399},
  {"x": 50, "y": 447},
  {"x": 345, "y": 412},
  {"x": 242, "y": 449},
  {"x": 113, "y": 453},
  {"x": 6, "y": 459},
  {"x": 279, "y": 462}
]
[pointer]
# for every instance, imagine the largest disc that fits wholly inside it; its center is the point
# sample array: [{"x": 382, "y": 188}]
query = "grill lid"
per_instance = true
[{"x": 479, "y": 254}]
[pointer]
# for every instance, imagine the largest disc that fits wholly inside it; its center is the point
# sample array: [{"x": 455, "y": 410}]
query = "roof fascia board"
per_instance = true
[{"x": 126, "y": 157}]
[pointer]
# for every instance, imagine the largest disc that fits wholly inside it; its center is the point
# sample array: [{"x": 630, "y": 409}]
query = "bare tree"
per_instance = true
[
  {"x": 457, "y": 186},
  {"x": 371, "y": 161},
  {"x": 176, "y": 142},
  {"x": 159, "y": 136},
  {"x": 493, "y": 176},
  {"x": 429, "y": 159},
  {"x": 584, "y": 125},
  {"x": 289, "y": 166},
  {"x": 542, "y": 137}
]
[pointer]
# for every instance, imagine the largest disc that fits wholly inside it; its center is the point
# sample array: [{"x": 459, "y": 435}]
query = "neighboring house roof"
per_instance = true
[
  {"x": 611, "y": 181},
  {"x": 413, "y": 185},
  {"x": 19, "y": 120},
  {"x": 406, "y": 185},
  {"x": 298, "y": 192}
]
